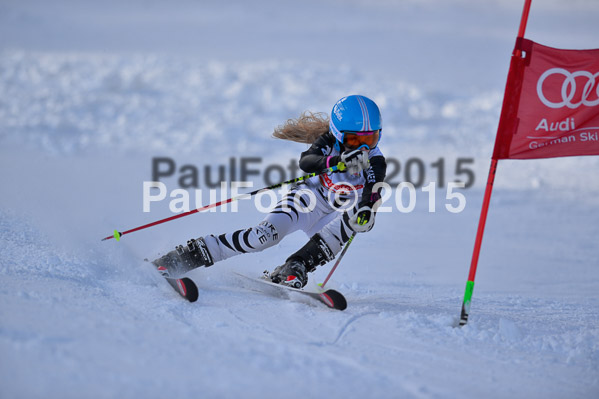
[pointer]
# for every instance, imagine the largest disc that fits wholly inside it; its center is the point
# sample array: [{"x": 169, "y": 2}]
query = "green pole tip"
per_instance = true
[{"x": 468, "y": 291}]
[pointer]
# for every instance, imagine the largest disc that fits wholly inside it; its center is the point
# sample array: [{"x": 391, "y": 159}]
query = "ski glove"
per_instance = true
[
  {"x": 363, "y": 219},
  {"x": 354, "y": 161}
]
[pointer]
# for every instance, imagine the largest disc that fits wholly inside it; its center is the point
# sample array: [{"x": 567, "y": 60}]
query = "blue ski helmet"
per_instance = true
[{"x": 354, "y": 113}]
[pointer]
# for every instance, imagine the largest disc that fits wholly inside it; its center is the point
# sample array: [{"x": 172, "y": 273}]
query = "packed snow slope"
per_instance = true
[{"x": 93, "y": 93}]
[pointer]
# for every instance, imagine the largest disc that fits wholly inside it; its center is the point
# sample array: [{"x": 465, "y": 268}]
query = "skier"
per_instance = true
[{"x": 348, "y": 140}]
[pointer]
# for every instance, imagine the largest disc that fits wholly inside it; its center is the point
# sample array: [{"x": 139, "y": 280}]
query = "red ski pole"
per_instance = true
[
  {"x": 338, "y": 260},
  {"x": 117, "y": 234}
]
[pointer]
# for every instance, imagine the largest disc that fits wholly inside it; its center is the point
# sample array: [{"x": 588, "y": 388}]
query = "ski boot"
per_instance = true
[
  {"x": 184, "y": 258},
  {"x": 295, "y": 271},
  {"x": 293, "y": 274}
]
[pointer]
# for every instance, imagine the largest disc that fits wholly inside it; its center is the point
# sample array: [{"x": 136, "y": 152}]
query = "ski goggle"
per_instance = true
[{"x": 355, "y": 140}]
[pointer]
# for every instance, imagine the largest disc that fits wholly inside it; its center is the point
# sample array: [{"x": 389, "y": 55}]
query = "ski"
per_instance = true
[
  {"x": 183, "y": 286},
  {"x": 332, "y": 298}
]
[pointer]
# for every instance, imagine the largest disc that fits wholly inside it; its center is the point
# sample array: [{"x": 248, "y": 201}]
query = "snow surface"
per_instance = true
[{"x": 92, "y": 91}]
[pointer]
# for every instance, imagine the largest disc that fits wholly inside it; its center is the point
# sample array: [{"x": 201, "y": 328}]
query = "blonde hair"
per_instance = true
[{"x": 305, "y": 129}]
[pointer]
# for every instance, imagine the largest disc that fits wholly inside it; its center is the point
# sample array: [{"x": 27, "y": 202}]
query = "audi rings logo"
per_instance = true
[{"x": 568, "y": 90}]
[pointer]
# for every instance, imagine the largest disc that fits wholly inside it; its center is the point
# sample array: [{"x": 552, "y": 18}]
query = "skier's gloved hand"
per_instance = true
[
  {"x": 354, "y": 161},
  {"x": 363, "y": 219}
]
